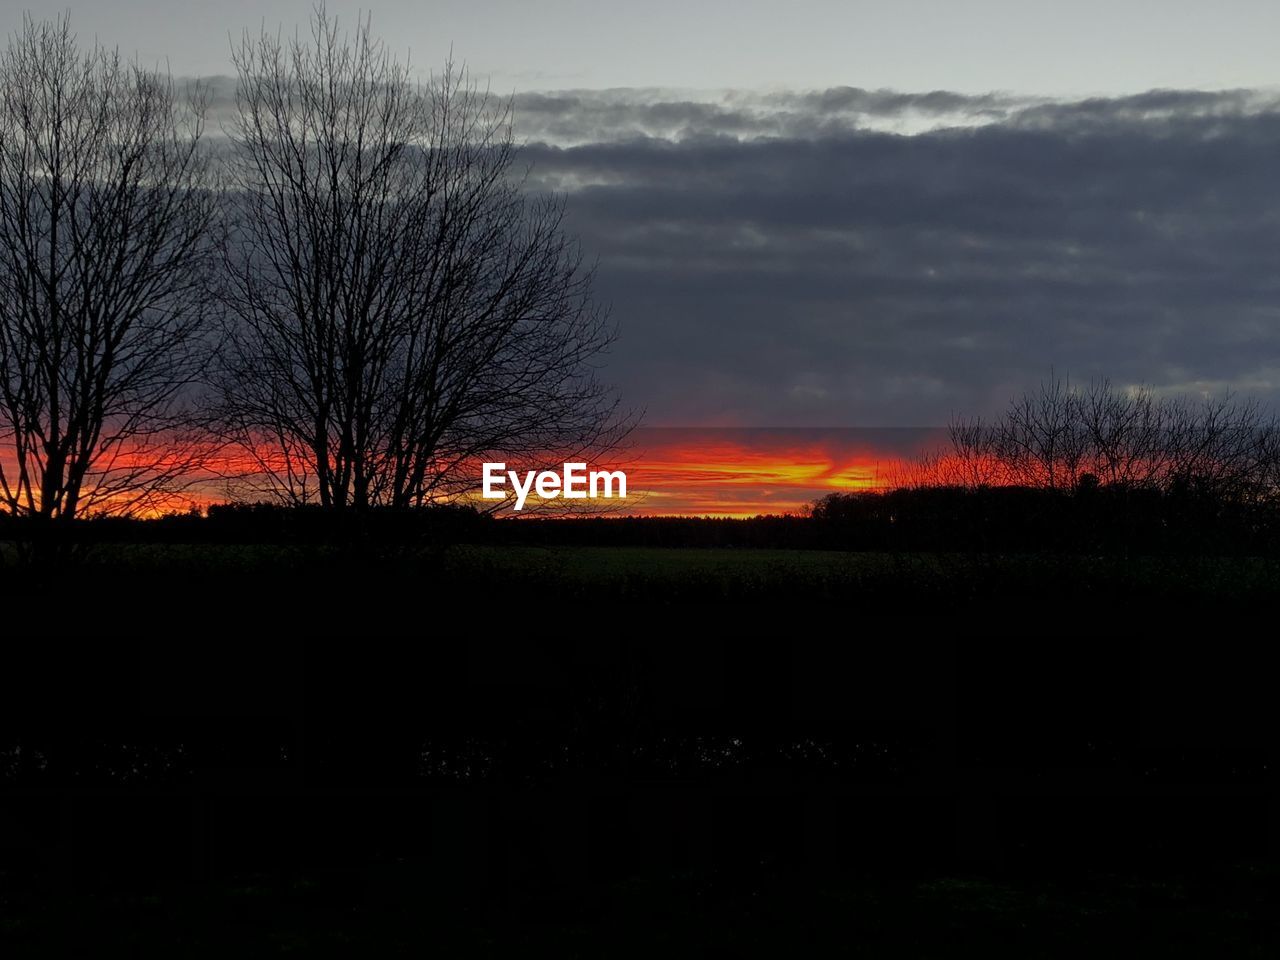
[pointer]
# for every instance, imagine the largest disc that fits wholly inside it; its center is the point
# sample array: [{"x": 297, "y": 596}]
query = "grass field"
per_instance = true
[
  {"x": 396, "y": 910},
  {"x": 656, "y": 575},
  {"x": 488, "y": 750},
  {"x": 726, "y": 564}
]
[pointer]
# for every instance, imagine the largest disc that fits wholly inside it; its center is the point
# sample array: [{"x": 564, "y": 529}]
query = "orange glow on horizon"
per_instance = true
[
  {"x": 744, "y": 477},
  {"x": 692, "y": 472}
]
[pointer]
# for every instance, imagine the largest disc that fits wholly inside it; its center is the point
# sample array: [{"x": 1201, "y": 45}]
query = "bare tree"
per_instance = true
[
  {"x": 398, "y": 306},
  {"x": 1125, "y": 431},
  {"x": 104, "y": 218},
  {"x": 1040, "y": 440},
  {"x": 973, "y": 459},
  {"x": 1058, "y": 435},
  {"x": 1221, "y": 446}
]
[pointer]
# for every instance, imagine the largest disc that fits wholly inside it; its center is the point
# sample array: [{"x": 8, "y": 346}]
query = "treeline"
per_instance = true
[
  {"x": 1061, "y": 437},
  {"x": 269, "y": 523},
  {"x": 1092, "y": 469},
  {"x": 259, "y": 523},
  {"x": 1111, "y": 519}
]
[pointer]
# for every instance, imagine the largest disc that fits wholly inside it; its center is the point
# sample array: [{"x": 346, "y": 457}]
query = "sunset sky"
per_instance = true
[
  {"x": 744, "y": 472},
  {"x": 855, "y": 215}
]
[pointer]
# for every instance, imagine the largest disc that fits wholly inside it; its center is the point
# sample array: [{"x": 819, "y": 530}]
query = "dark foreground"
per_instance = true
[
  {"x": 488, "y": 752},
  {"x": 397, "y": 910}
]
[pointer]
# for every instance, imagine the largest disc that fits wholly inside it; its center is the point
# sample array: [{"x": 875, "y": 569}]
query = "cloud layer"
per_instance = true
[
  {"x": 851, "y": 257},
  {"x": 786, "y": 259}
]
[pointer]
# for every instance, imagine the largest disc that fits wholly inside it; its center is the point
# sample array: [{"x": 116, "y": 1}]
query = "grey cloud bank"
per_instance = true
[
  {"x": 788, "y": 260},
  {"x": 873, "y": 258}
]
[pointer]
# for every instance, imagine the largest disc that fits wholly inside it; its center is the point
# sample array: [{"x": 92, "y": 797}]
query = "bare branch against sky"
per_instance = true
[
  {"x": 397, "y": 306},
  {"x": 105, "y": 228}
]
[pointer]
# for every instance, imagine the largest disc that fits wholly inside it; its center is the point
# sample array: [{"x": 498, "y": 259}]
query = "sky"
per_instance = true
[
  {"x": 866, "y": 215},
  {"x": 1028, "y": 46}
]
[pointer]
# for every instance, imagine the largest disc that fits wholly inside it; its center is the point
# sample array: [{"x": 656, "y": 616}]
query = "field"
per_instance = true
[
  {"x": 879, "y": 581},
  {"x": 398, "y": 909},
  {"x": 497, "y": 750}
]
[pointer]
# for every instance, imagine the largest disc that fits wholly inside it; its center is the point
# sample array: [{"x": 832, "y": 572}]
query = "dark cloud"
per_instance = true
[
  {"x": 864, "y": 278},
  {"x": 862, "y": 258}
]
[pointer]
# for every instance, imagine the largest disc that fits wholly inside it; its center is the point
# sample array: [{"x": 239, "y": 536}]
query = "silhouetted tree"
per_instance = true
[
  {"x": 104, "y": 217},
  {"x": 1053, "y": 437},
  {"x": 1125, "y": 431},
  {"x": 398, "y": 307}
]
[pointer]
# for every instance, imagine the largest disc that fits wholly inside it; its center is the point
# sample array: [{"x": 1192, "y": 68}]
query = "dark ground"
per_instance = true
[{"x": 494, "y": 751}]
